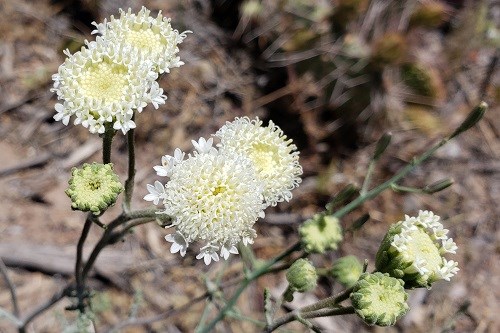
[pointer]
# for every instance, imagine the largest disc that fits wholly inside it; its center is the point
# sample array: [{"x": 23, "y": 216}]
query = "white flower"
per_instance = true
[
  {"x": 179, "y": 243},
  {"x": 208, "y": 253},
  {"x": 153, "y": 38},
  {"x": 204, "y": 146},
  {"x": 104, "y": 84},
  {"x": 226, "y": 251},
  {"x": 214, "y": 198},
  {"x": 62, "y": 114},
  {"x": 449, "y": 269},
  {"x": 417, "y": 245},
  {"x": 449, "y": 246},
  {"x": 156, "y": 192},
  {"x": 274, "y": 156},
  {"x": 168, "y": 162}
]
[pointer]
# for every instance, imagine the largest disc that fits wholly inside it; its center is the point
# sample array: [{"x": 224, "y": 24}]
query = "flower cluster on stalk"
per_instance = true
[
  {"x": 109, "y": 79},
  {"x": 216, "y": 193},
  {"x": 413, "y": 250}
]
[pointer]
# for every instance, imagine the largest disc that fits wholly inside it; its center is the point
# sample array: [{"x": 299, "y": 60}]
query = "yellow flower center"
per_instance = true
[
  {"x": 94, "y": 184},
  {"x": 264, "y": 157},
  {"x": 145, "y": 39},
  {"x": 104, "y": 81},
  {"x": 423, "y": 247},
  {"x": 219, "y": 189}
]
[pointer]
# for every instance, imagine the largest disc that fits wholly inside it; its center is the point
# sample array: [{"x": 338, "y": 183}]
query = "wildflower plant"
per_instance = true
[{"x": 212, "y": 197}]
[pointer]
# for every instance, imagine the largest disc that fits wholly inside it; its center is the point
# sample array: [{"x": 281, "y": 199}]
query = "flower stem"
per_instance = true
[
  {"x": 330, "y": 302},
  {"x": 80, "y": 287},
  {"x": 129, "y": 183},
  {"x": 308, "y": 315},
  {"x": 264, "y": 269},
  {"x": 107, "y": 139}
]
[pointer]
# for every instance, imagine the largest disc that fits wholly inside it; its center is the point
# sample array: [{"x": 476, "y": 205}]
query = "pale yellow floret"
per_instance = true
[
  {"x": 146, "y": 40},
  {"x": 423, "y": 248},
  {"x": 104, "y": 81}
]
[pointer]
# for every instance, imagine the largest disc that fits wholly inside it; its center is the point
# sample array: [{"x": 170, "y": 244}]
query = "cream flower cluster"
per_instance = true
[
  {"x": 111, "y": 78},
  {"x": 215, "y": 194},
  {"x": 153, "y": 38},
  {"x": 275, "y": 157},
  {"x": 414, "y": 250}
]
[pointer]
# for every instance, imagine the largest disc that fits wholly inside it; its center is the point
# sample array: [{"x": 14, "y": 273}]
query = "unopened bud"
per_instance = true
[{"x": 438, "y": 186}]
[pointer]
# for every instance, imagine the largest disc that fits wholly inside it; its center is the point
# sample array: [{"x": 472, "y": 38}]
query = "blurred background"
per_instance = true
[{"x": 335, "y": 75}]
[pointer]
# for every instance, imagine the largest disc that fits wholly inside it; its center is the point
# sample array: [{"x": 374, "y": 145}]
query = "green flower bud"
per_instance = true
[
  {"x": 413, "y": 250},
  {"x": 94, "y": 187},
  {"x": 347, "y": 270},
  {"x": 379, "y": 299},
  {"x": 321, "y": 233},
  {"x": 301, "y": 276}
]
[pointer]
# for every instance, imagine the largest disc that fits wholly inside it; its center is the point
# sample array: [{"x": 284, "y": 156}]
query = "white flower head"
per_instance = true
[
  {"x": 104, "y": 84},
  {"x": 274, "y": 156},
  {"x": 414, "y": 249},
  {"x": 154, "y": 38},
  {"x": 213, "y": 198}
]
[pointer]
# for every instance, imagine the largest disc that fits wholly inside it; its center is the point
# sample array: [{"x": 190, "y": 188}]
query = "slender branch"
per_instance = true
[
  {"x": 109, "y": 237},
  {"x": 107, "y": 139},
  {"x": 368, "y": 177},
  {"x": 6, "y": 314},
  {"x": 243, "y": 285},
  {"x": 80, "y": 287},
  {"x": 331, "y": 301},
  {"x": 10, "y": 285},
  {"x": 129, "y": 183},
  {"x": 148, "y": 320},
  {"x": 400, "y": 188},
  {"x": 307, "y": 315},
  {"x": 393, "y": 180},
  {"x": 43, "y": 307}
]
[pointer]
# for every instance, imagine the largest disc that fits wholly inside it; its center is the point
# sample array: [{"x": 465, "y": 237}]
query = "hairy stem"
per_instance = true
[
  {"x": 331, "y": 301},
  {"x": 129, "y": 183},
  {"x": 107, "y": 139},
  {"x": 308, "y": 315},
  {"x": 80, "y": 287}
]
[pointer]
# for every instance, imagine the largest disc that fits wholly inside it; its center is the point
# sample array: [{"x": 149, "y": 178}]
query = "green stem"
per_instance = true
[
  {"x": 308, "y": 315},
  {"x": 251, "y": 277},
  {"x": 400, "y": 188},
  {"x": 368, "y": 177},
  {"x": 107, "y": 139},
  {"x": 129, "y": 183},
  {"x": 80, "y": 287},
  {"x": 387, "y": 184},
  {"x": 330, "y": 302},
  {"x": 109, "y": 237}
]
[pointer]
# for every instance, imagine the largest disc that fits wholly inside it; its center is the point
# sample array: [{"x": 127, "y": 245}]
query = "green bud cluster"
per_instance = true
[
  {"x": 320, "y": 234},
  {"x": 379, "y": 299},
  {"x": 93, "y": 187}
]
